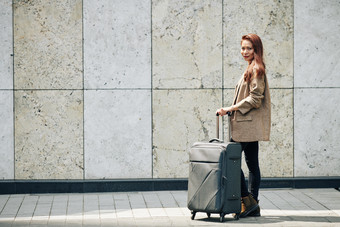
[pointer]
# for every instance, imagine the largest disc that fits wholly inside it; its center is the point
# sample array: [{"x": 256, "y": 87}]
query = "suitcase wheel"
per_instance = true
[
  {"x": 208, "y": 214},
  {"x": 193, "y": 214},
  {"x": 222, "y": 217}
]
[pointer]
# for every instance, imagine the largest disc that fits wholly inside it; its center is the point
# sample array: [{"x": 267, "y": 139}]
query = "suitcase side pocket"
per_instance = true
[
  {"x": 204, "y": 188},
  {"x": 232, "y": 179},
  {"x": 234, "y": 171}
]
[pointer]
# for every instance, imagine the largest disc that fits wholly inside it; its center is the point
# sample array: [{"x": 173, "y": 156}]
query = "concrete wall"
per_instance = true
[
  {"x": 6, "y": 92},
  {"x": 121, "y": 89},
  {"x": 316, "y": 88}
]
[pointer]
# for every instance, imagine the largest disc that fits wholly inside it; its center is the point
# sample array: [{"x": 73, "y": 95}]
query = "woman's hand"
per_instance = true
[{"x": 225, "y": 110}]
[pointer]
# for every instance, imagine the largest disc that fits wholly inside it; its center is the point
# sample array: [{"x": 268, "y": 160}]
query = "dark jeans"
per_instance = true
[{"x": 251, "y": 153}]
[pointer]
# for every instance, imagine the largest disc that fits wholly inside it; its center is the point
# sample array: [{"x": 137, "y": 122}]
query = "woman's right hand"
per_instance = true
[
  {"x": 225, "y": 110},
  {"x": 221, "y": 112}
]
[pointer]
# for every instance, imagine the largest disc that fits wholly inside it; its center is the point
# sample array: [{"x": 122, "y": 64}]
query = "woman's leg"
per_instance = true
[
  {"x": 244, "y": 190},
  {"x": 251, "y": 152},
  {"x": 248, "y": 203}
]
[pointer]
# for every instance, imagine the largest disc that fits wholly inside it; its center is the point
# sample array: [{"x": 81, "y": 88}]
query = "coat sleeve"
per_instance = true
[{"x": 255, "y": 97}]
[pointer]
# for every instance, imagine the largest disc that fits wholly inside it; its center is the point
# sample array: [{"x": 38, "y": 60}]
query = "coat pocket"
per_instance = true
[{"x": 244, "y": 118}]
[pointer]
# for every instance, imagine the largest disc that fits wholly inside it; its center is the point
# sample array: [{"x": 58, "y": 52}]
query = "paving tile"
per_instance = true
[
  {"x": 39, "y": 222},
  {"x": 12, "y": 206},
  {"x": 306, "y": 201},
  {"x": 45, "y": 199},
  {"x": 152, "y": 200},
  {"x": 126, "y": 222},
  {"x": 157, "y": 212},
  {"x": 154, "y": 205},
  {"x": 56, "y": 223},
  {"x": 106, "y": 200},
  {"x": 74, "y": 223},
  {"x": 122, "y": 204},
  {"x": 288, "y": 207},
  {"x": 124, "y": 213},
  {"x": 140, "y": 213},
  {"x": 138, "y": 205},
  {"x": 180, "y": 198},
  {"x": 42, "y": 210},
  {"x": 109, "y": 222},
  {"x": 173, "y": 212},
  {"x": 91, "y": 222},
  {"x": 3, "y": 200},
  {"x": 107, "y": 213},
  {"x": 136, "y": 201},
  {"x": 19, "y": 223},
  {"x": 167, "y": 200},
  {"x": 26, "y": 209},
  {"x": 59, "y": 208},
  {"x": 6, "y": 221},
  {"x": 122, "y": 201}
]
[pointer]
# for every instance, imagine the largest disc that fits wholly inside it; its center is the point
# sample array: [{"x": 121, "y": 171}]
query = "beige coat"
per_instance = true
[{"x": 251, "y": 122}]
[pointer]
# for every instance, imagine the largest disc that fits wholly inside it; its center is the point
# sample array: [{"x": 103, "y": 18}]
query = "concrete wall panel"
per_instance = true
[
  {"x": 180, "y": 118},
  {"x": 6, "y": 45},
  {"x": 118, "y": 134},
  {"x": 316, "y": 140},
  {"x": 117, "y": 44},
  {"x": 273, "y": 21},
  {"x": 187, "y": 44},
  {"x": 6, "y": 135},
  {"x": 49, "y": 134},
  {"x": 316, "y": 46},
  {"x": 48, "y": 44}
]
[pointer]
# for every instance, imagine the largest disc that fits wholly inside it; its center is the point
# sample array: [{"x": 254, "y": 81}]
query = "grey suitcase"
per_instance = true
[{"x": 214, "y": 184}]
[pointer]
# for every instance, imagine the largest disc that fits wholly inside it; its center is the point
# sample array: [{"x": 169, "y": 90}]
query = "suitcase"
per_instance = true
[{"x": 214, "y": 183}]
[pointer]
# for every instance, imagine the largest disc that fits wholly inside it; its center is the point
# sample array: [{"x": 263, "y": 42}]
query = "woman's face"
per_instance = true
[{"x": 247, "y": 50}]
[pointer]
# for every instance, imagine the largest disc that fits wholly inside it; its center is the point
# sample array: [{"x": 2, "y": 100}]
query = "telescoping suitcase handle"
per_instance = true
[{"x": 218, "y": 126}]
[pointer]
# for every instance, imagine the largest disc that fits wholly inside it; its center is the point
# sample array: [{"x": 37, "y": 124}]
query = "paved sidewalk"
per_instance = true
[{"x": 279, "y": 207}]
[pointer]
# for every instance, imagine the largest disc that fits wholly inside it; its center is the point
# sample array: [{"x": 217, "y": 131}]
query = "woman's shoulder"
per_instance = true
[{"x": 257, "y": 73}]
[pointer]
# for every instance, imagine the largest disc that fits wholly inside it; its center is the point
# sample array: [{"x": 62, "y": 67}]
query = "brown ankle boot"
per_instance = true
[
  {"x": 248, "y": 205},
  {"x": 257, "y": 212}
]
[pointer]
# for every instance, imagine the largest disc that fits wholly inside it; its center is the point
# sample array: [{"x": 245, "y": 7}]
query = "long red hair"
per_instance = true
[{"x": 257, "y": 63}]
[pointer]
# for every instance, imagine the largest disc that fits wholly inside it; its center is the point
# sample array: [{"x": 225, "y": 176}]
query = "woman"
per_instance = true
[{"x": 251, "y": 119}]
